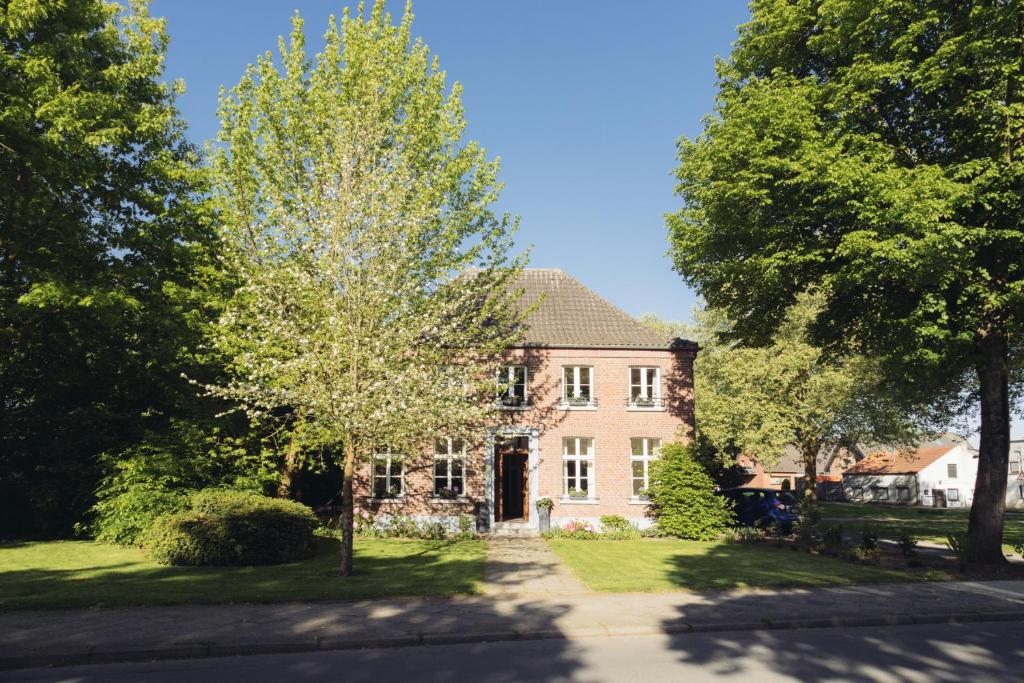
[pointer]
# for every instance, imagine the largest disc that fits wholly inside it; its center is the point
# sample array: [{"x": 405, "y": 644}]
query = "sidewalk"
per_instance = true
[{"x": 89, "y": 636}]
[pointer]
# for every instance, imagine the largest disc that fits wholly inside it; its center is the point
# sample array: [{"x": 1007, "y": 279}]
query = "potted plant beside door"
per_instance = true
[{"x": 544, "y": 506}]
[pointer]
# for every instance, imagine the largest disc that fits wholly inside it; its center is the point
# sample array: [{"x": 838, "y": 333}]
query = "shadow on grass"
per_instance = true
[{"x": 101, "y": 576}]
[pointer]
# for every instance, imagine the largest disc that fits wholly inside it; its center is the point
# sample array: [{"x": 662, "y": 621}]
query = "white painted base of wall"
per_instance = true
[{"x": 640, "y": 522}]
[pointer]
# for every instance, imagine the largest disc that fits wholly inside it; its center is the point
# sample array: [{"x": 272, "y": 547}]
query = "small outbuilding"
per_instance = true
[{"x": 936, "y": 475}]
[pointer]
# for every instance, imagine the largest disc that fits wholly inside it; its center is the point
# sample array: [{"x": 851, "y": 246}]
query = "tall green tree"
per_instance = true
[
  {"x": 101, "y": 244},
  {"x": 873, "y": 149},
  {"x": 758, "y": 400},
  {"x": 375, "y": 278}
]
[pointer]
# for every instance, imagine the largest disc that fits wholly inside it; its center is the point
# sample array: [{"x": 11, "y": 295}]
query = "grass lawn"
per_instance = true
[
  {"x": 667, "y": 564},
  {"x": 85, "y": 574},
  {"x": 925, "y": 524}
]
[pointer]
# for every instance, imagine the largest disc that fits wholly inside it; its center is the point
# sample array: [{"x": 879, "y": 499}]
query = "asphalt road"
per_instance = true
[{"x": 972, "y": 652}]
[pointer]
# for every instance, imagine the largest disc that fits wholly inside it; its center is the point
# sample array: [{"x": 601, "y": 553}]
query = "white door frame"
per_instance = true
[{"x": 533, "y": 461}]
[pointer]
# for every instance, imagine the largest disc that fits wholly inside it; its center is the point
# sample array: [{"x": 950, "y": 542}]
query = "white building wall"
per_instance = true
[
  {"x": 960, "y": 487},
  {"x": 1015, "y": 476},
  {"x": 894, "y": 489}
]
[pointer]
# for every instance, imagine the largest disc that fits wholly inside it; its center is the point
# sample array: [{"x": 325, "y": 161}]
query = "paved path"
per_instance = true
[
  {"x": 144, "y": 633},
  {"x": 526, "y": 566},
  {"x": 916, "y": 654}
]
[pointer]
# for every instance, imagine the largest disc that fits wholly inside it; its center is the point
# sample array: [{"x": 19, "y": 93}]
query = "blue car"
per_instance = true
[{"x": 761, "y": 508}]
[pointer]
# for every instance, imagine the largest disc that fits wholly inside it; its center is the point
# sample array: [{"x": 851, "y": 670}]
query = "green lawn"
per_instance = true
[
  {"x": 85, "y": 574},
  {"x": 665, "y": 564},
  {"x": 926, "y": 524}
]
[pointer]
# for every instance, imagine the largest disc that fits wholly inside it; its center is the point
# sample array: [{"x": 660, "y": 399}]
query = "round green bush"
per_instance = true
[
  {"x": 226, "y": 528},
  {"x": 683, "y": 497}
]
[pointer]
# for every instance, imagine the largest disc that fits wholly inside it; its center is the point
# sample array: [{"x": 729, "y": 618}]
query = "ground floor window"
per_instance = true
[
  {"x": 578, "y": 466},
  {"x": 903, "y": 493},
  {"x": 643, "y": 450},
  {"x": 857, "y": 493},
  {"x": 388, "y": 469},
  {"x": 952, "y": 494},
  {"x": 449, "y": 468},
  {"x": 879, "y": 493}
]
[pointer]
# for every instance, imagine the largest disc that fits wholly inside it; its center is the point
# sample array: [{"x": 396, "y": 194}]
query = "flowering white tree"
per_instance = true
[{"x": 375, "y": 279}]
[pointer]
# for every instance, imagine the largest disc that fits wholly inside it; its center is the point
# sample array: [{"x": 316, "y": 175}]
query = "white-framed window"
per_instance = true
[
  {"x": 578, "y": 466},
  {"x": 645, "y": 387},
  {"x": 879, "y": 493},
  {"x": 1015, "y": 463},
  {"x": 953, "y": 495},
  {"x": 642, "y": 450},
  {"x": 388, "y": 469},
  {"x": 857, "y": 492},
  {"x": 578, "y": 385},
  {"x": 512, "y": 386},
  {"x": 449, "y": 468},
  {"x": 951, "y": 470},
  {"x": 903, "y": 493}
]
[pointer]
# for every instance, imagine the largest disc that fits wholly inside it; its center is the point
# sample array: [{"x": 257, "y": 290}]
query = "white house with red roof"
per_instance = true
[{"x": 933, "y": 475}]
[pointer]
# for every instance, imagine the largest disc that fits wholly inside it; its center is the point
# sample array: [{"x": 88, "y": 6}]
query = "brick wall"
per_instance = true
[{"x": 611, "y": 425}]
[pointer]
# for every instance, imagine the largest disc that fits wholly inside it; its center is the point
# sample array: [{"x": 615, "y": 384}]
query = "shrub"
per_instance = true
[
  {"x": 866, "y": 555},
  {"x": 957, "y": 543},
  {"x": 613, "y": 523},
  {"x": 748, "y": 534},
  {"x": 683, "y": 497},
  {"x": 832, "y": 541},
  {"x": 809, "y": 516},
  {"x": 124, "y": 518},
  {"x": 907, "y": 545},
  {"x": 232, "y": 528},
  {"x": 868, "y": 537}
]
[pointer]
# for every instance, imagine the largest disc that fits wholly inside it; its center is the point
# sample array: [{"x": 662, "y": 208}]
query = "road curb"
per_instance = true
[{"x": 101, "y": 655}]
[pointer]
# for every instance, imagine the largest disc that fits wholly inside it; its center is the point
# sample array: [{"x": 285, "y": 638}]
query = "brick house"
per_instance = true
[{"x": 587, "y": 401}]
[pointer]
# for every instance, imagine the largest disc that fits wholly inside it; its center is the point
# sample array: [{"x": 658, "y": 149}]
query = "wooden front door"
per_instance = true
[
  {"x": 938, "y": 498},
  {"x": 511, "y": 480}
]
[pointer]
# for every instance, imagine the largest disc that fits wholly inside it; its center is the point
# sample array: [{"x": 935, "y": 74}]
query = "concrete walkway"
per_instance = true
[
  {"x": 89, "y": 636},
  {"x": 526, "y": 566}
]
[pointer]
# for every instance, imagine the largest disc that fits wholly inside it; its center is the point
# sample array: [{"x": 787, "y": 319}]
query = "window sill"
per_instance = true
[
  {"x": 639, "y": 501},
  {"x": 569, "y": 500},
  {"x": 570, "y": 406},
  {"x": 514, "y": 408},
  {"x": 393, "y": 499},
  {"x": 449, "y": 501},
  {"x": 645, "y": 409}
]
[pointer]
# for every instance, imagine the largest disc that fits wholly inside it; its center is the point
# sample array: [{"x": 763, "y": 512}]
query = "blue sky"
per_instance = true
[{"x": 582, "y": 100}]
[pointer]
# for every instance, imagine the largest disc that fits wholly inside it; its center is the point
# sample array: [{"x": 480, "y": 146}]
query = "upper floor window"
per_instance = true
[
  {"x": 388, "y": 469},
  {"x": 1015, "y": 463},
  {"x": 578, "y": 466},
  {"x": 512, "y": 386},
  {"x": 951, "y": 470},
  {"x": 577, "y": 385},
  {"x": 645, "y": 387},
  {"x": 642, "y": 451},
  {"x": 449, "y": 468}
]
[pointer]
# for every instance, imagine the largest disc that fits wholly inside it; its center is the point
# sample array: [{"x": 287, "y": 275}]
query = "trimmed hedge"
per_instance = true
[{"x": 226, "y": 528}]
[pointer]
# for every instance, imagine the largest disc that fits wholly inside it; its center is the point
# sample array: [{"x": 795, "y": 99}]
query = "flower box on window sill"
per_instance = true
[
  {"x": 513, "y": 403},
  {"x": 578, "y": 500},
  {"x": 389, "y": 499},
  {"x": 640, "y": 403},
  {"x": 578, "y": 404},
  {"x": 453, "y": 500}
]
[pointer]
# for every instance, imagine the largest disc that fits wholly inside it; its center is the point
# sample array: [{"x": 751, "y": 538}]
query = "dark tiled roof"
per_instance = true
[{"x": 571, "y": 316}]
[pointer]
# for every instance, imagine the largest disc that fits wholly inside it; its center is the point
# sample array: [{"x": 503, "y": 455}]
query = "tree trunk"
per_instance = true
[
  {"x": 809, "y": 449},
  {"x": 985, "y": 529},
  {"x": 347, "y": 509},
  {"x": 288, "y": 487}
]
